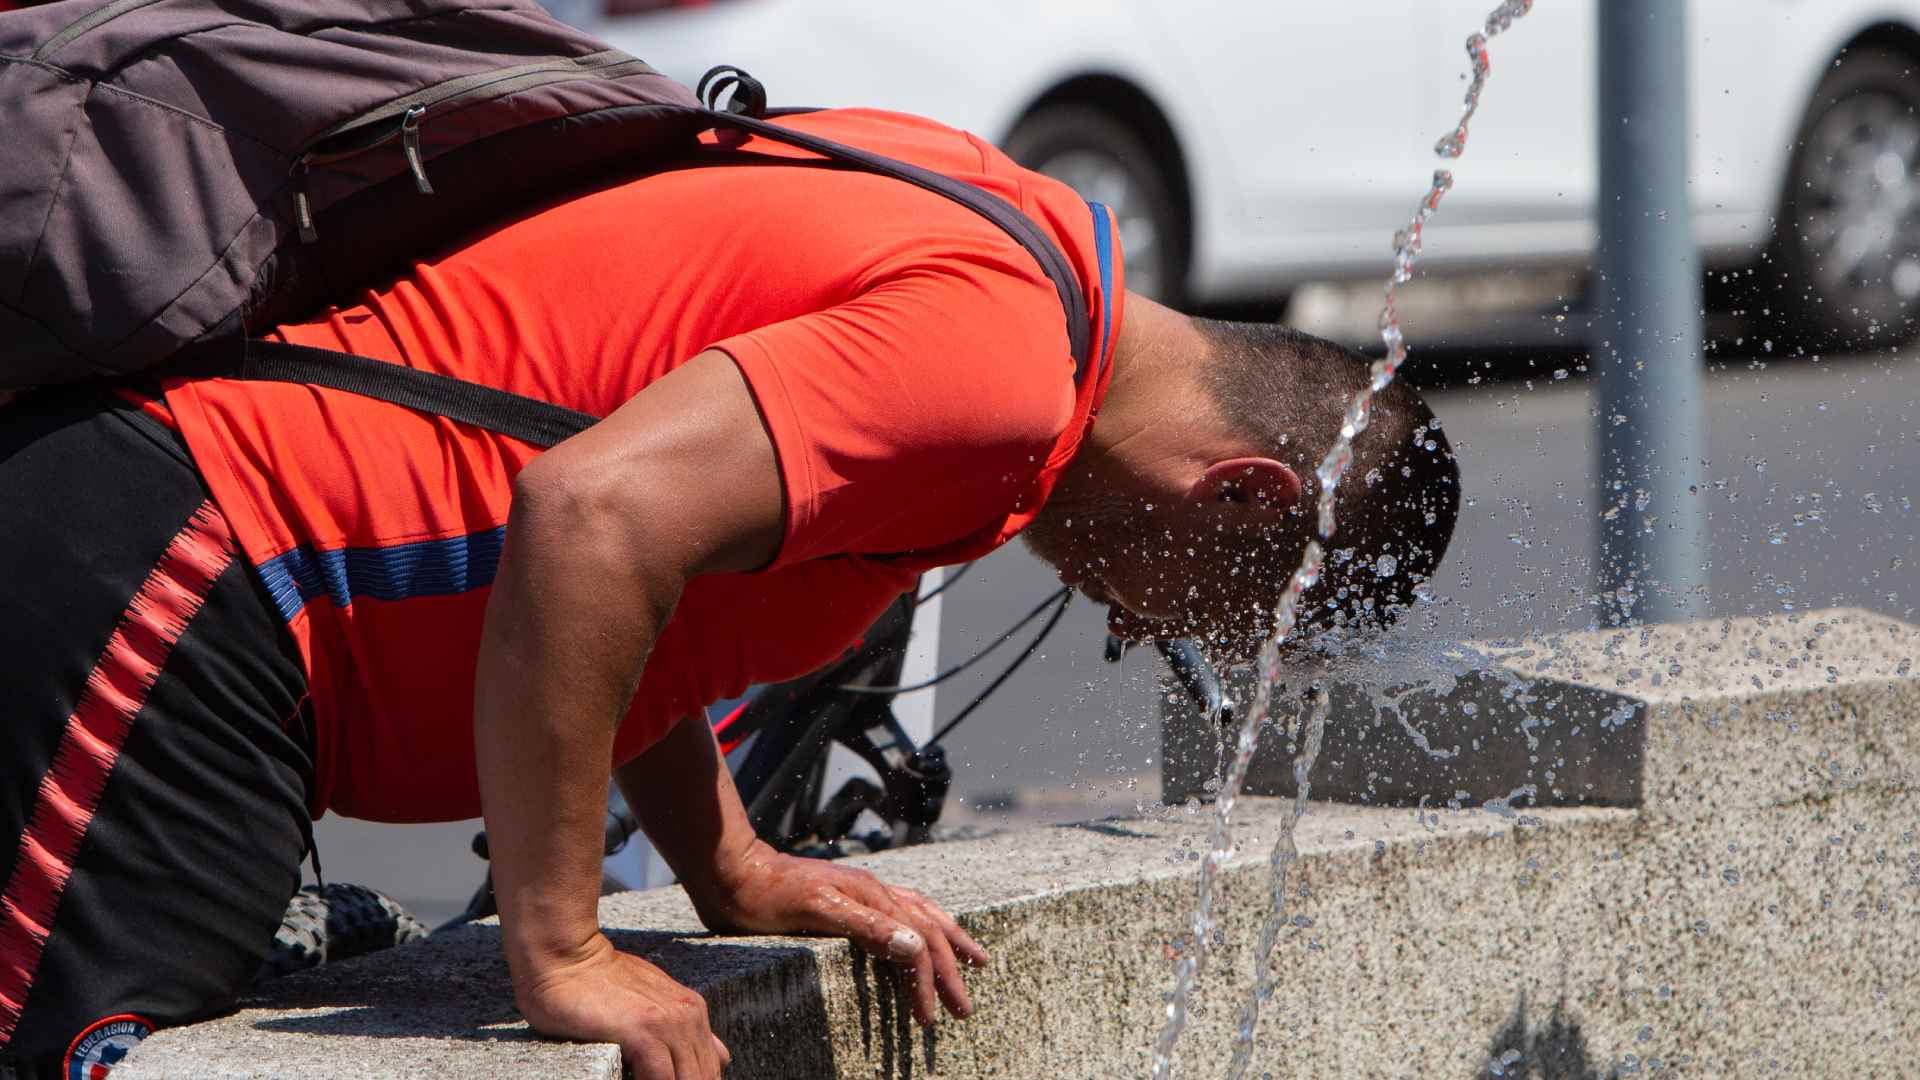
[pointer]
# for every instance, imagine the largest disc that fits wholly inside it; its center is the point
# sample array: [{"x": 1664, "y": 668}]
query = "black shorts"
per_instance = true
[{"x": 152, "y": 798}]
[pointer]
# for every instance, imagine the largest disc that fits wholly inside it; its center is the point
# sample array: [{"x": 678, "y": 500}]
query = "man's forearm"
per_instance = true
[
  {"x": 572, "y": 617},
  {"x": 689, "y": 808}
]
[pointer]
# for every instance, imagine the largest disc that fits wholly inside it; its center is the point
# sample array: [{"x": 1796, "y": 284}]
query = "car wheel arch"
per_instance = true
[
  {"x": 1882, "y": 48},
  {"x": 1890, "y": 35},
  {"x": 1132, "y": 106}
]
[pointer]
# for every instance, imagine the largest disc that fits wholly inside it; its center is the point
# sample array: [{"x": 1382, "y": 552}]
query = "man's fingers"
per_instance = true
[
  {"x": 720, "y": 1050},
  {"x": 649, "y": 1061},
  {"x": 890, "y": 938},
  {"x": 933, "y": 950},
  {"x": 905, "y": 927},
  {"x": 697, "y": 1059},
  {"x": 926, "y": 1000},
  {"x": 699, "y": 1043},
  {"x": 939, "y": 928},
  {"x": 946, "y": 969},
  {"x": 686, "y": 1065},
  {"x": 963, "y": 944},
  {"x": 908, "y": 947}
]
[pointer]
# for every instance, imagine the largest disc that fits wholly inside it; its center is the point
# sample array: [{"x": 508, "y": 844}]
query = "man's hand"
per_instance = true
[
  {"x": 770, "y": 893},
  {"x": 605, "y": 995}
]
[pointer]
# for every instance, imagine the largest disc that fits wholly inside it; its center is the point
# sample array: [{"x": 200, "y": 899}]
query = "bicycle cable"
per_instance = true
[
  {"x": 1060, "y": 597},
  {"x": 1065, "y": 597},
  {"x": 947, "y": 584}
]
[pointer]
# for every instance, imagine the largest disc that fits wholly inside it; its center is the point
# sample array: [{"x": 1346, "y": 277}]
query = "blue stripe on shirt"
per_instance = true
[
  {"x": 447, "y": 567},
  {"x": 1103, "y": 254}
]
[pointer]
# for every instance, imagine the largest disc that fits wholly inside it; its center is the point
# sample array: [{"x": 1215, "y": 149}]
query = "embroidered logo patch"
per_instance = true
[{"x": 99, "y": 1048}]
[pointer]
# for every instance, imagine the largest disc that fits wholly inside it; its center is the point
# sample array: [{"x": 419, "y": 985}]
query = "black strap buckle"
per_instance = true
[{"x": 749, "y": 96}]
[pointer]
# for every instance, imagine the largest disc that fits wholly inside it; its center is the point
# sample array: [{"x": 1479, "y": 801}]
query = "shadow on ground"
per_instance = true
[
  {"x": 1555, "y": 1050},
  {"x": 455, "y": 985}
]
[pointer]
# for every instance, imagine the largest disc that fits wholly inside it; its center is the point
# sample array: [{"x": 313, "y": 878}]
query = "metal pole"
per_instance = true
[{"x": 1646, "y": 356}]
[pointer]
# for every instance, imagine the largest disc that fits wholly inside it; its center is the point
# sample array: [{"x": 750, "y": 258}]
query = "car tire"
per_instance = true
[
  {"x": 1844, "y": 265},
  {"x": 1089, "y": 150}
]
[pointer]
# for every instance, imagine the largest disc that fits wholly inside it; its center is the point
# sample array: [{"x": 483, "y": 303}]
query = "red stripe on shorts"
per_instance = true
[{"x": 114, "y": 694}]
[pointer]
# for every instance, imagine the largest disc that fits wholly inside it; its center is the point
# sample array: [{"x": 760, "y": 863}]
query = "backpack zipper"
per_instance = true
[
  {"x": 85, "y": 23},
  {"x": 302, "y": 206},
  {"x": 410, "y": 146},
  {"x": 402, "y": 117}
]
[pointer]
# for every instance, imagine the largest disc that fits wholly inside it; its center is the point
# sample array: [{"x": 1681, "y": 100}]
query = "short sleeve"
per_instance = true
[{"x": 918, "y": 413}]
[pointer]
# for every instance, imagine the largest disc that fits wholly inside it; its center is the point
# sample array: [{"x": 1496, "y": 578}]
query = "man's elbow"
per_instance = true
[
  {"x": 568, "y": 512},
  {"x": 554, "y": 489}
]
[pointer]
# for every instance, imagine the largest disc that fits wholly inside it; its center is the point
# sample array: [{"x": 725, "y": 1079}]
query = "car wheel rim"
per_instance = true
[
  {"x": 1859, "y": 206},
  {"x": 1104, "y": 179}
]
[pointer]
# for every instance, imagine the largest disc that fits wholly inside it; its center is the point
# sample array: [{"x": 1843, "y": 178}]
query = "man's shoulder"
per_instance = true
[{"x": 908, "y": 137}]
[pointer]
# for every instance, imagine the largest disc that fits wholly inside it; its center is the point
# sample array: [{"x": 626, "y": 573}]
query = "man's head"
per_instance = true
[{"x": 1194, "y": 498}]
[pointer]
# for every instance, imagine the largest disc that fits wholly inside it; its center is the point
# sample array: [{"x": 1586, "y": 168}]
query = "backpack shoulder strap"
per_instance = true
[
  {"x": 1008, "y": 217},
  {"x": 543, "y": 423},
  {"x": 531, "y": 420}
]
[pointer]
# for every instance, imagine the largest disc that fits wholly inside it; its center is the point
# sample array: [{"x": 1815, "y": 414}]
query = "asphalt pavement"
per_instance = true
[{"x": 1812, "y": 477}]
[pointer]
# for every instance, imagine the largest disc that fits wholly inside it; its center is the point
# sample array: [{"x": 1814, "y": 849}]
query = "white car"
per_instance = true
[{"x": 1252, "y": 145}]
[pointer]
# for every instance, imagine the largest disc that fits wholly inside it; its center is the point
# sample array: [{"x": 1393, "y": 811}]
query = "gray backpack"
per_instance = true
[{"x": 179, "y": 173}]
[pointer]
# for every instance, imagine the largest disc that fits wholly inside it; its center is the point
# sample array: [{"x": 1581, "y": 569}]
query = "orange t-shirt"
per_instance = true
[{"x": 910, "y": 360}]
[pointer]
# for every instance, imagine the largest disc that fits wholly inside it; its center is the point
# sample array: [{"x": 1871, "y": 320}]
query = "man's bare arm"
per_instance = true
[
  {"x": 606, "y": 530},
  {"x": 690, "y": 809}
]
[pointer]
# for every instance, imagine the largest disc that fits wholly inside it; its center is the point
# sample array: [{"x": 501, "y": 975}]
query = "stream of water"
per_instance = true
[{"x": 1333, "y": 468}]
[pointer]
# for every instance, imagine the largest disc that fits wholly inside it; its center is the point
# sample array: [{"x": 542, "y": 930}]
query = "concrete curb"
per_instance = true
[
  {"x": 1677, "y": 720},
  {"x": 1757, "y": 914}
]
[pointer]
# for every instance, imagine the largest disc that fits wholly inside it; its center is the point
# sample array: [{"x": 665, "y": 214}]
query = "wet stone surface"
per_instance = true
[
  {"x": 1757, "y": 914},
  {"x": 1676, "y": 719}
]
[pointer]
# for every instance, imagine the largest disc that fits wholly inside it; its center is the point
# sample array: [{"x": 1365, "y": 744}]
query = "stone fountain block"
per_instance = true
[
  {"x": 1674, "y": 719},
  {"x": 1757, "y": 914}
]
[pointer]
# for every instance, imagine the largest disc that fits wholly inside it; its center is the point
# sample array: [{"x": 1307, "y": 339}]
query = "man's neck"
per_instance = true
[
  {"x": 1155, "y": 414},
  {"x": 1145, "y": 433},
  {"x": 1140, "y": 366}
]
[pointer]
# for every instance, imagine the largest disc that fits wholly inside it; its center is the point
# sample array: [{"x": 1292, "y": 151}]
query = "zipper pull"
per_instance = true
[
  {"x": 302, "y": 207},
  {"x": 410, "y": 145}
]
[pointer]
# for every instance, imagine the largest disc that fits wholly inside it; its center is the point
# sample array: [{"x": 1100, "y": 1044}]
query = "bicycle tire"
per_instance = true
[
  {"x": 794, "y": 725},
  {"x": 328, "y": 924}
]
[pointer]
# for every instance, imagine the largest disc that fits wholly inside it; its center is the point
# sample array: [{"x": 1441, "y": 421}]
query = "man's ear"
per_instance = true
[{"x": 1257, "y": 480}]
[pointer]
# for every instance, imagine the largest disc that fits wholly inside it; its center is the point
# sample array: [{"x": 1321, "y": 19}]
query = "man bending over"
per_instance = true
[{"x": 243, "y": 604}]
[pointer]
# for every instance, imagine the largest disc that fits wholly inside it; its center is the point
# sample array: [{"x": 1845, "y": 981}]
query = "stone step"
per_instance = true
[{"x": 1757, "y": 913}]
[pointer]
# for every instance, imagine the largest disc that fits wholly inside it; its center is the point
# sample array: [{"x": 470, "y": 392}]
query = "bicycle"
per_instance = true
[{"x": 786, "y": 733}]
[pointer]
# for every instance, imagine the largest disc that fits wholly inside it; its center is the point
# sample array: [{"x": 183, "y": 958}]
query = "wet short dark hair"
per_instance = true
[{"x": 1286, "y": 393}]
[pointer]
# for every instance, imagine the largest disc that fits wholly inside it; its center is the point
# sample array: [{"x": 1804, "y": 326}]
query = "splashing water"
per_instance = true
[
  {"x": 1284, "y": 853},
  {"x": 1333, "y": 468}
]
